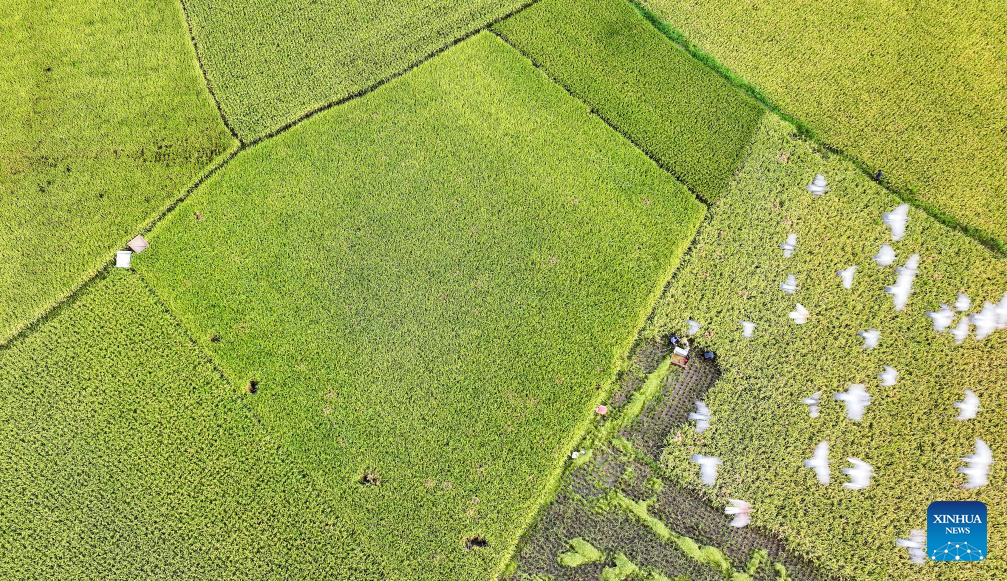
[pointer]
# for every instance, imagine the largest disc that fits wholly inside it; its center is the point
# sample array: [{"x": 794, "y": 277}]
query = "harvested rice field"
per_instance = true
[{"x": 525, "y": 290}]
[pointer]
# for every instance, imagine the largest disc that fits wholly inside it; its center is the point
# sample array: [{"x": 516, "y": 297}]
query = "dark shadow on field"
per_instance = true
[{"x": 581, "y": 508}]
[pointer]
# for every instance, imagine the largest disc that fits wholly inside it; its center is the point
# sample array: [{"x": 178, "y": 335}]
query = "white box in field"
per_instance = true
[{"x": 123, "y": 258}]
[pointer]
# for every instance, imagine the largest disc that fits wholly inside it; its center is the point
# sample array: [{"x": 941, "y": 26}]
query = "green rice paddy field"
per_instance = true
[
  {"x": 126, "y": 455},
  {"x": 107, "y": 119},
  {"x": 272, "y": 62},
  {"x": 427, "y": 313},
  {"x": 399, "y": 253},
  {"x": 694, "y": 122},
  {"x": 914, "y": 89}
]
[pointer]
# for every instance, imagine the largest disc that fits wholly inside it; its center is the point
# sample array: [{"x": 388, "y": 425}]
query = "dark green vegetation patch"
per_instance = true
[
  {"x": 127, "y": 456},
  {"x": 106, "y": 118},
  {"x": 429, "y": 285},
  {"x": 272, "y": 61},
  {"x": 688, "y": 117}
]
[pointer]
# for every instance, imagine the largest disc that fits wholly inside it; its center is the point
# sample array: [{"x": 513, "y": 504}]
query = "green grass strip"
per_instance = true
[
  {"x": 704, "y": 554},
  {"x": 622, "y": 569},
  {"x": 628, "y": 414},
  {"x": 758, "y": 557},
  {"x": 582, "y": 553}
]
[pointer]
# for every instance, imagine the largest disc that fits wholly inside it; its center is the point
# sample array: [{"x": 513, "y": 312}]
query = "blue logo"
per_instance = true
[{"x": 956, "y": 531}]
